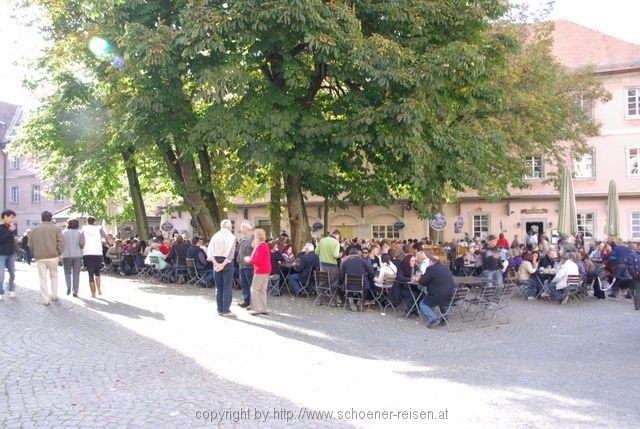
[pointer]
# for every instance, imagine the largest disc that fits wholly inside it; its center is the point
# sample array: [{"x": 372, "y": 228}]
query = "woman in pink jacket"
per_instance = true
[{"x": 261, "y": 261}]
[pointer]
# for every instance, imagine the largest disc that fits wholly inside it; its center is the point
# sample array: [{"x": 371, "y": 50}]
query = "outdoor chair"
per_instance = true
[
  {"x": 273, "y": 287},
  {"x": 455, "y": 305},
  {"x": 160, "y": 275},
  {"x": 573, "y": 290},
  {"x": 194, "y": 277},
  {"x": 306, "y": 285},
  {"x": 354, "y": 289},
  {"x": 323, "y": 287},
  {"x": 381, "y": 295},
  {"x": 114, "y": 266},
  {"x": 479, "y": 303}
]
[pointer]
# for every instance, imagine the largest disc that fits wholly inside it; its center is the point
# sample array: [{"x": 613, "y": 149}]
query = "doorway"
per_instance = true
[{"x": 537, "y": 226}]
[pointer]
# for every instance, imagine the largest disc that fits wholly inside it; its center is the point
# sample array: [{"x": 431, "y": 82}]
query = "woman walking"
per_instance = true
[
  {"x": 72, "y": 255},
  {"x": 261, "y": 261},
  {"x": 92, "y": 253},
  {"x": 7, "y": 250}
]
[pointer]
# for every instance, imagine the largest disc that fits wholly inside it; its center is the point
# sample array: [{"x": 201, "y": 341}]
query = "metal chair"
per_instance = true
[
  {"x": 381, "y": 295},
  {"x": 455, "y": 305},
  {"x": 194, "y": 275},
  {"x": 158, "y": 274},
  {"x": 480, "y": 302},
  {"x": 323, "y": 287},
  {"x": 306, "y": 286},
  {"x": 354, "y": 289},
  {"x": 273, "y": 288},
  {"x": 573, "y": 290}
]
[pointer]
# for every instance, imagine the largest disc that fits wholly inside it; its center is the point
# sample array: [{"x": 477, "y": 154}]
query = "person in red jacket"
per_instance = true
[
  {"x": 261, "y": 261},
  {"x": 502, "y": 242}
]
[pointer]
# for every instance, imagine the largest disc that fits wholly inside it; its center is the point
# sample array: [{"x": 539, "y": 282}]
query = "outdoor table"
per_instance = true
[
  {"x": 543, "y": 275},
  {"x": 285, "y": 270},
  {"x": 416, "y": 298},
  {"x": 468, "y": 281}
]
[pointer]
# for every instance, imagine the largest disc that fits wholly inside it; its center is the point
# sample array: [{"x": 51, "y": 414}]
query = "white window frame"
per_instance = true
[
  {"x": 14, "y": 195},
  {"x": 583, "y": 223},
  {"x": 592, "y": 172},
  {"x": 530, "y": 160},
  {"x": 36, "y": 196},
  {"x": 634, "y": 225},
  {"x": 15, "y": 163},
  {"x": 384, "y": 231},
  {"x": 473, "y": 225},
  {"x": 629, "y": 162},
  {"x": 636, "y": 103},
  {"x": 587, "y": 105}
]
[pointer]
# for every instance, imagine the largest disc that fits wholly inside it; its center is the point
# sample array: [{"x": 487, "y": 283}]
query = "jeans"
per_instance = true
[
  {"x": 206, "y": 277},
  {"x": 294, "y": 282},
  {"x": 224, "y": 286},
  {"x": 554, "y": 293},
  {"x": 246, "y": 277},
  {"x": 428, "y": 312},
  {"x": 72, "y": 265},
  {"x": 535, "y": 288},
  {"x": 494, "y": 277},
  {"x": 8, "y": 262}
]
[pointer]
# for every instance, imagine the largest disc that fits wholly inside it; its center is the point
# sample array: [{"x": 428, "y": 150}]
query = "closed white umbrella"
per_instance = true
[{"x": 567, "y": 217}]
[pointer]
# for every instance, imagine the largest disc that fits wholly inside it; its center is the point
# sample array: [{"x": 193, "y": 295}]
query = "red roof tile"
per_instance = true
[{"x": 576, "y": 46}]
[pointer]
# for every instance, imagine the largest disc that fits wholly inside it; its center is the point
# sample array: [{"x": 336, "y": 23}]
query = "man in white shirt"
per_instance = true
[
  {"x": 567, "y": 268},
  {"x": 221, "y": 250}
]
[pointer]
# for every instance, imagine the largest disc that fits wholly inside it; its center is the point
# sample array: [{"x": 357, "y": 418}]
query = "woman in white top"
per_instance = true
[
  {"x": 92, "y": 253},
  {"x": 388, "y": 272}
]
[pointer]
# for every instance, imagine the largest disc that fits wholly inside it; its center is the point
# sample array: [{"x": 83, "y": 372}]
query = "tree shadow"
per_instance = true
[{"x": 120, "y": 308}]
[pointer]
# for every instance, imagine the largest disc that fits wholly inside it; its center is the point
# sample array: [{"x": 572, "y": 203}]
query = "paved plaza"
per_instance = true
[{"x": 158, "y": 356}]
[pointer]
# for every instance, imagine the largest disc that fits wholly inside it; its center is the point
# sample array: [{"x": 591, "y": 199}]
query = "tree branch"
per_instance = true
[{"x": 316, "y": 83}]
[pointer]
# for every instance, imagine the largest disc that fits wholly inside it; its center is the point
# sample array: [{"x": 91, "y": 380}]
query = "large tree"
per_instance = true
[{"x": 368, "y": 101}]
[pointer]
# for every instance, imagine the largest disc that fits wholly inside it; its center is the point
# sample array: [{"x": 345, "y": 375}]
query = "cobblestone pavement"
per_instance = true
[{"x": 146, "y": 355}]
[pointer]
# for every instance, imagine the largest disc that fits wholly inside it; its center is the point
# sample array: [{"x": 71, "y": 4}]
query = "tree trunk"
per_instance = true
[
  {"x": 298, "y": 220},
  {"x": 275, "y": 206},
  {"x": 205, "y": 179},
  {"x": 142, "y": 224},
  {"x": 183, "y": 174}
]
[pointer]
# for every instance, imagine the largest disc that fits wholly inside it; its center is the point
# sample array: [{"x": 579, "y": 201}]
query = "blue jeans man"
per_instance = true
[
  {"x": 428, "y": 312},
  {"x": 294, "y": 282},
  {"x": 246, "y": 277},
  {"x": 8, "y": 262},
  {"x": 494, "y": 277},
  {"x": 224, "y": 286}
]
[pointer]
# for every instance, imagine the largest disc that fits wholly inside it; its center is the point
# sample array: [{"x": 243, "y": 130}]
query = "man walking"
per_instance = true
[
  {"x": 7, "y": 251},
  {"x": 46, "y": 242},
  {"x": 221, "y": 251},
  {"x": 245, "y": 248}
]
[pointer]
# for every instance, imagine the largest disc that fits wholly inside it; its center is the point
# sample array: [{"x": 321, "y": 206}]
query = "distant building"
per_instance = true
[{"x": 21, "y": 189}]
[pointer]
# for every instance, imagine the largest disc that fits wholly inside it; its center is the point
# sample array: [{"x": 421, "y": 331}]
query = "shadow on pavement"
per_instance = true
[{"x": 115, "y": 307}]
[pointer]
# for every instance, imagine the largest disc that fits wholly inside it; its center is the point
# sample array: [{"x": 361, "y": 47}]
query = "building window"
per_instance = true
[
  {"x": 585, "y": 104},
  {"x": 15, "y": 163},
  {"x": 583, "y": 166},
  {"x": 534, "y": 167},
  {"x": 14, "y": 195},
  {"x": 635, "y": 226},
  {"x": 380, "y": 232},
  {"x": 586, "y": 224},
  {"x": 633, "y": 160},
  {"x": 480, "y": 224},
  {"x": 633, "y": 103},
  {"x": 35, "y": 193},
  {"x": 59, "y": 198}
]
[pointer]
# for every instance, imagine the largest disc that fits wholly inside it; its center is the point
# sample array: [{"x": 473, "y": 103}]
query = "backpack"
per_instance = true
[{"x": 633, "y": 264}]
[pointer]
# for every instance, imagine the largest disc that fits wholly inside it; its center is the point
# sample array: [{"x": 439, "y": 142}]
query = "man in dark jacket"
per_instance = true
[
  {"x": 7, "y": 250},
  {"x": 355, "y": 264},
  {"x": 204, "y": 267},
  {"x": 309, "y": 261},
  {"x": 619, "y": 253},
  {"x": 178, "y": 256},
  {"x": 439, "y": 283}
]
